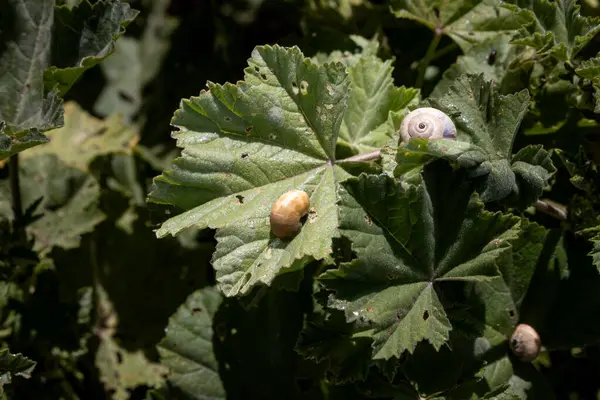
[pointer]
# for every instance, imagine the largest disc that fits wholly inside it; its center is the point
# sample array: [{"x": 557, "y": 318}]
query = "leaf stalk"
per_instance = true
[
  {"x": 374, "y": 155},
  {"x": 429, "y": 56}
]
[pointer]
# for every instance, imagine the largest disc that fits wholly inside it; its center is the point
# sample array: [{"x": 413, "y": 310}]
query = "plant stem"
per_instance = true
[
  {"x": 444, "y": 51},
  {"x": 374, "y": 155},
  {"x": 15, "y": 188},
  {"x": 428, "y": 57},
  {"x": 552, "y": 208}
]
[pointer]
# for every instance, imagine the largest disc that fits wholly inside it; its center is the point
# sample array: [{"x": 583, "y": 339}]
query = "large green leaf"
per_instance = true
[
  {"x": 26, "y": 109},
  {"x": 467, "y": 22},
  {"x": 40, "y": 45},
  {"x": 372, "y": 97},
  {"x": 409, "y": 245},
  {"x": 187, "y": 349},
  {"x": 487, "y": 123},
  {"x": 554, "y": 28},
  {"x": 82, "y": 37},
  {"x": 246, "y": 144}
]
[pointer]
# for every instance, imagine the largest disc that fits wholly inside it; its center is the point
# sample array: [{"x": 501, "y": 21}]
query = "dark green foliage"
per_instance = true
[{"x": 147, "y": 147}]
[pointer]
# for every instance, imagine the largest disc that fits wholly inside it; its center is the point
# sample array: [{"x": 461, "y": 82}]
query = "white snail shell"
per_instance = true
[
  {"x": 525, "y": 343},
  {"x": 427, "y": 123},
  {"x": 287, "y": 211}
]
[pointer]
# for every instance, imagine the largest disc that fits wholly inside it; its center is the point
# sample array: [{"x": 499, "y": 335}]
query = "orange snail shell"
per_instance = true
[
  {"x": 287, "y": 211},
  {"x": 525, "y": 343}
]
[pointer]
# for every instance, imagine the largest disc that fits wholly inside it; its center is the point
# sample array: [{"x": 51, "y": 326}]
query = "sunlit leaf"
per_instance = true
[
  {"x": 246, "y": 144},
  {"x": 467, "y": 22}
]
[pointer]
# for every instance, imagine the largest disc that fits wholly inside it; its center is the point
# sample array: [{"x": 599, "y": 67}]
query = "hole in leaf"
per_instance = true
[
  {"x": 511, "y": 313},
  {"x": 244, "y": 155},
  {"x": 304, "y": 87},
  {"x": 257, "y": 69},
  {"x": 240, "y": 198},
  {"x": 197, "y": 310},
  {"x": 399, "y": 315},
  {"x": 263, "y": 76},
  {"x": 119, "y": 357},
  {"x": 126, "y": 97},
  {"x": 368, "y": 220},
  {"x": 425, "y": 315},
  {"x": 227, "y": 119},
  {"x": 248, "y": 129}
]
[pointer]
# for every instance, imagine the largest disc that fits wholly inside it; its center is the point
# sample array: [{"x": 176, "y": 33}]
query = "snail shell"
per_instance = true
[
  {"x": 427, "y": 123},
  {"x": 525, "y": 343},
  {"x": 287, "y": 212}
]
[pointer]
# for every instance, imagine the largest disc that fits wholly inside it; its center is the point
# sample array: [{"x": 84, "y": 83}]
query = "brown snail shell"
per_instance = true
[
  {"x": 427, "y": 123},
  {"x": 525, "y": 343},
  {"x": 287, "y": 211}
]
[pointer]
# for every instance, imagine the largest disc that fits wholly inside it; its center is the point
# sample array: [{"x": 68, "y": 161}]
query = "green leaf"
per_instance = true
[
  {"x": 82, "y": 37},
  {"x": 328, "y": 339},
  {"x": 499, "y": 67},
  {"x": 487, "y": 123},
  {"x": 187, "y": 348},
  {"x": 372, "y": 97},
  {"x": 69, "y": 202},
  {"x": 555, "y": 28},
  {"x": 134, "y": 64},
  {"x": 41, "y": 45},
  {"x": 366, "y": 48},
  {"x": 14, "y": 365},
  {"x": 410, "y": 245},
  {"x": 595, "y": 253},
  {"x": 467, "y": 22},
  {"x": 590, "y": 69},
  {"x": 246, "y": 144},
  {"x": 26, "y": 109},
  {"x": 84, "y": 138}
]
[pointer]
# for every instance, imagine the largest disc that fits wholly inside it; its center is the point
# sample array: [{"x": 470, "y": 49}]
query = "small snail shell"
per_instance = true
[
  {"x": 287, "y": 211},
  {"x": 427, "y": 123},
  {"x": 525, "y": 343}
]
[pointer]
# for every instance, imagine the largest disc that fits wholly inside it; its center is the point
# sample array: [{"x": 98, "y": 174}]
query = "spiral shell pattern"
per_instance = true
[{"x": 427, "y": 123}]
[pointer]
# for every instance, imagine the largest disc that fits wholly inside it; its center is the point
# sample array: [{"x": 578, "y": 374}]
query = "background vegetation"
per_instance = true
[{"x": 94, "y": 306}]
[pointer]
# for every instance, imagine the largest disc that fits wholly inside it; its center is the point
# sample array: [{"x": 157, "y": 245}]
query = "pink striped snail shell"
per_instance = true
[
  {"x": 287, "y": 211},
  {"x": 525, "y": 343},
  {"x": 427, "y": 123}
]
